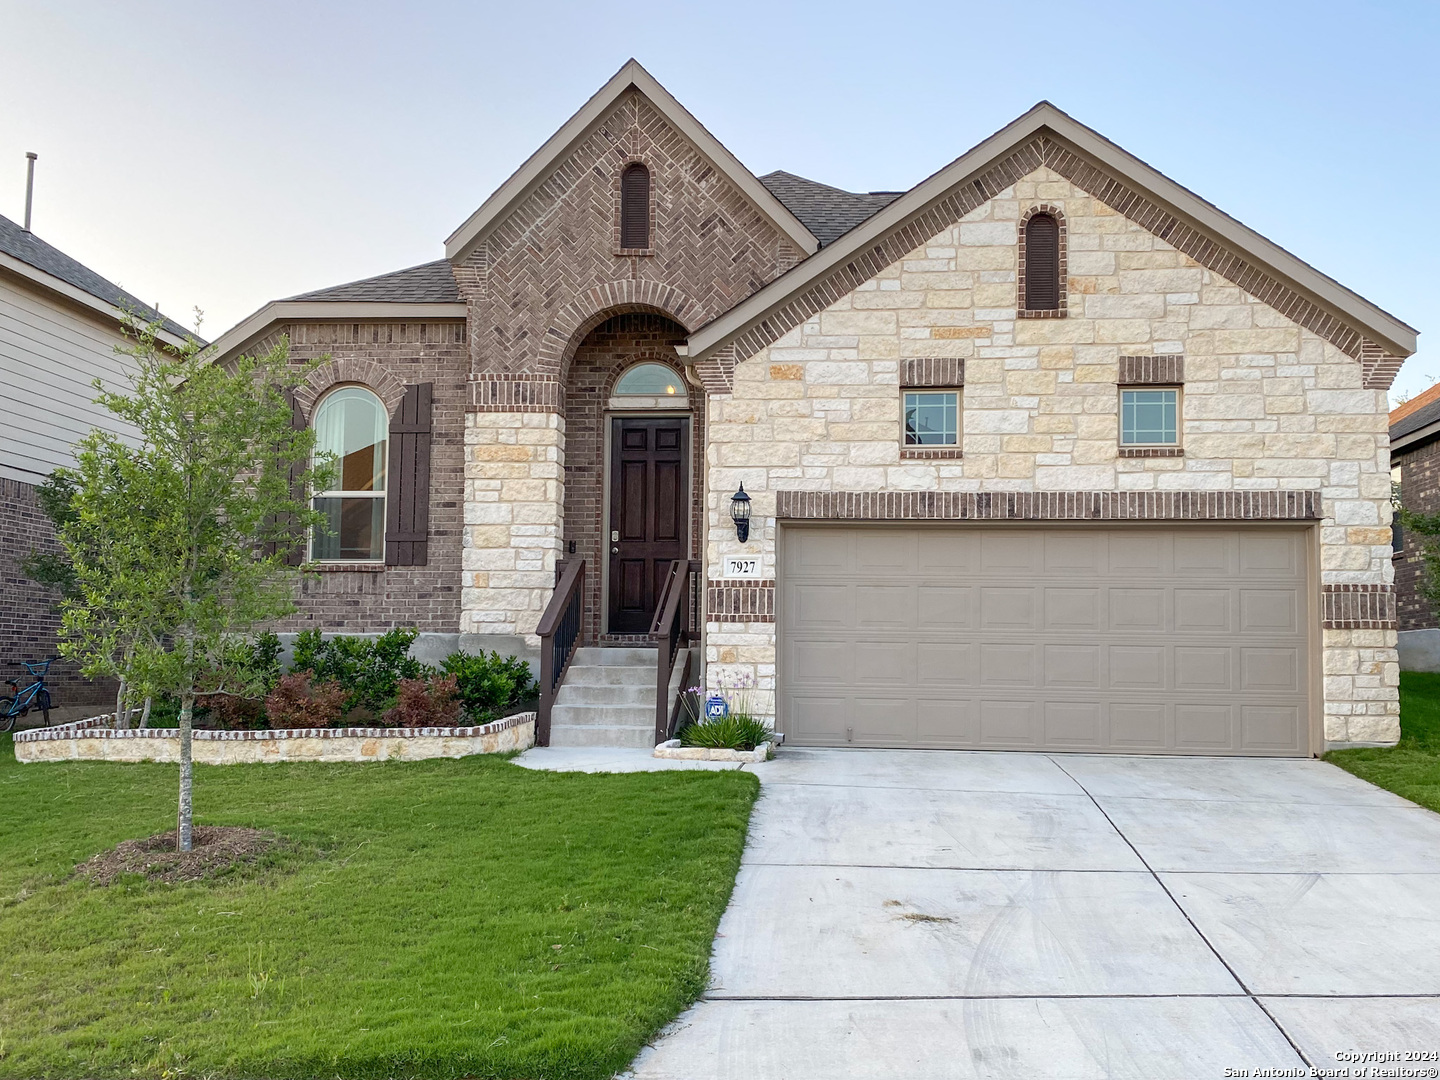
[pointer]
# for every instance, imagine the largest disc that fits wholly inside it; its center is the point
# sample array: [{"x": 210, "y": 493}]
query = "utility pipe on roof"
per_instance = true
[{"x": 29, "y": 185}]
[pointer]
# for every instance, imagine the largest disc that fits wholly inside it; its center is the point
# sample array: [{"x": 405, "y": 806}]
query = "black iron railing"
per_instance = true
[{"x": 559, "y": 632}]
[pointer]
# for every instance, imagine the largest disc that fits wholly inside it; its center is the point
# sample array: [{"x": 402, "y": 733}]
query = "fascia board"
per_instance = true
[
  {"x": 1424, "y": 434},
  {"x": 538, "y": 166},
  {"x": 1046, "y": 118},
  {"x": 246, "y": 332},
  {"x": 52, "y": 284}
]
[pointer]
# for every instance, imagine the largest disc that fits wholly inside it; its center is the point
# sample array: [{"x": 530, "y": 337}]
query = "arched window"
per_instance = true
[
  {"x": 650, "y": 380},
  {"x": 635, "y": 207},
  {"x": 351, "y": 433},
  {"x": 1042, "y": 263}
]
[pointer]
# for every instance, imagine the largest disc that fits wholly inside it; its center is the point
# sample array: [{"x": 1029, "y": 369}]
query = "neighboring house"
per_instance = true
[
  {"x": 1415, "y": 466},
  {"x": 59, "y": 326},
  {"x": 1046, "y": 452}
]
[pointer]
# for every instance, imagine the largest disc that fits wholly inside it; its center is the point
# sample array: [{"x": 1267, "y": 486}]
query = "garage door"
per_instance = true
[{"x": 1136, "y": 639}]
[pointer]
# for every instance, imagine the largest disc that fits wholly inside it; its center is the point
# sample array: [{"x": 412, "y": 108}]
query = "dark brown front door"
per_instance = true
[{"x": 649, "y": 497}]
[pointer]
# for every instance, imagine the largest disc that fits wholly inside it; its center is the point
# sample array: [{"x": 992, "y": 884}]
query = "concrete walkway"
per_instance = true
[{"x": 928, "y": 915}]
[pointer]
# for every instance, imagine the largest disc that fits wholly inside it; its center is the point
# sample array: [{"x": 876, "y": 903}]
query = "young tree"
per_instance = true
[{"x": 179, "y": 535}]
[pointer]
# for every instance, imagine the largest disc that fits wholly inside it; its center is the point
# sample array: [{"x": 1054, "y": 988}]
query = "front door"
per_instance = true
[{"x": 649, "y": 511}]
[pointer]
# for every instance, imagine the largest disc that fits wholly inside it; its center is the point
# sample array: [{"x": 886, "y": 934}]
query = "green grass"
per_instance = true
[
  {"x": 434, "y": 919},
  {"x": 1411, "y": 768}
]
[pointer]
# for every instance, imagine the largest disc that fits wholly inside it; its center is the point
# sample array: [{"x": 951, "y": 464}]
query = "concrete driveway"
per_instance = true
[{"x": 927, "y": 915}]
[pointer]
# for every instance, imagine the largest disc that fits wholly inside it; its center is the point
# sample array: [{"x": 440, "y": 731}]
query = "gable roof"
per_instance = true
[
  {"x": 774, "y": 309},
  {"x": 826, "y": 211},
  {"x": 428, "y": 283},
  {"x": 1410, "y": 421},
  {"x": 51, "y": 262},
  {"x": 541, "y": 163}
]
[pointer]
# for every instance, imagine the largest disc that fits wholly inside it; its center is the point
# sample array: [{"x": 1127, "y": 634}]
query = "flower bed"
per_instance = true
[
  {"x": 94, "y": 740},
  {"x": 672, "y": 748}
]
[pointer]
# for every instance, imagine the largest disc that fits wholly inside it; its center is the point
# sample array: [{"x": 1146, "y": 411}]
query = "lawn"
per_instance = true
[
  {"x": 1412, "y": 768},
  {"x": 432, "y": 919}
]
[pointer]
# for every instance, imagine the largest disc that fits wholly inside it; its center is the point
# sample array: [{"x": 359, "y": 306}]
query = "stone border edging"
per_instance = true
[
  {"x": 672, "y": 749},
  {"x": 89, "y": 739}
]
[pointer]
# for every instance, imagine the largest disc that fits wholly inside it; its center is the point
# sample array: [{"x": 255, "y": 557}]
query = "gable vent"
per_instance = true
[
  {"x": 635, "y": 208},
  {"x": 1042, "y": 263}
]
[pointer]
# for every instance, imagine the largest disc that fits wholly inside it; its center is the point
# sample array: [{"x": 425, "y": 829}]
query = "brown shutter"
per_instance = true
[
  {"x": 1042, "y": 263},
  {"x": 407, "y": 510},
  {"x": 635, "y": 207},
  {"x": 296, "y": 554}
]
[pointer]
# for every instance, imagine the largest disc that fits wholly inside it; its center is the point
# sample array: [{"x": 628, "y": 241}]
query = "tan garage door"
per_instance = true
[{"x": 1136, "y": 639}]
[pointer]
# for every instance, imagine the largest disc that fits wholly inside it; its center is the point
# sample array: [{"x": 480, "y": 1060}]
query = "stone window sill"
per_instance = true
[
  {"x": 1041, "y": 313},
  {"x": 931, "y": 453},
  {"x": 1151, "y": 451},
  {"x": 641, "y": 252},
  {"x": 344, "y": 567}
]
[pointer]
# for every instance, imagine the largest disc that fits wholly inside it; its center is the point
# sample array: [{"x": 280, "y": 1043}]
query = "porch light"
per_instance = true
[{"x": 740, "y": 514}]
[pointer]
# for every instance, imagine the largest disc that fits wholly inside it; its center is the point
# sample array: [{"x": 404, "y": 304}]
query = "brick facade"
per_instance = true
[
  {"x": 1420, "y": 491},
  {"x": 29, "y": 622},
  {"x": 386, "y": 357},
  {"x": 555, "y": 311}
]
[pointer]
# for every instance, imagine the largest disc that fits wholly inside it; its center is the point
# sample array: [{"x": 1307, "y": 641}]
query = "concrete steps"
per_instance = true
[{"x": 607, "y": 699}]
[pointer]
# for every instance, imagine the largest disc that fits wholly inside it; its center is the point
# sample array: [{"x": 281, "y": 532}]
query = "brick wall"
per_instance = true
[
  {"x": 361, "y": 599},
  {"x": 28, "y": 622},
  {"x": 550, "y": 272},
  {"x": 1420, "y": 491}
]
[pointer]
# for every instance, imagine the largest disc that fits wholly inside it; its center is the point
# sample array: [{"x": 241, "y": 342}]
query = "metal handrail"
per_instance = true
[
  {"x": 559, "y": 632},
  {"x": 669, "y": 628}
]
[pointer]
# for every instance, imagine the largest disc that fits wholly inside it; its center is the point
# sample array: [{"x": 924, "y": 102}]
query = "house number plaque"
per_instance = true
[{"x": 744, "y": 567}]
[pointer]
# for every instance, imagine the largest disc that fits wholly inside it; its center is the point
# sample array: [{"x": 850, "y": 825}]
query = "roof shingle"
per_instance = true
[
  {"x": 428, "y": 283},
  {"x": 31, "y": 250},
  {"x": 826, "y": 211}
]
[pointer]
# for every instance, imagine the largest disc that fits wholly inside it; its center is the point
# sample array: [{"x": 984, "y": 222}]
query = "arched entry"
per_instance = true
[{"x": 633, "y": 438}]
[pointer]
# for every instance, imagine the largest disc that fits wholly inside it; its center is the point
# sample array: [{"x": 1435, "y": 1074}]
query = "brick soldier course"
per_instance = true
[{"x": 795, "y": 356}]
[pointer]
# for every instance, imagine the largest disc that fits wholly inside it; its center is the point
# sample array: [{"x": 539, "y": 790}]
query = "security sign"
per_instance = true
[{"x": 716, "y": 707}]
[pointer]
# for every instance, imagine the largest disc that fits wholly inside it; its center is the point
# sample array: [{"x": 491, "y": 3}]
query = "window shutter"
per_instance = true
[
  {"x": 1042, "y": 263},
  {"x": 407, "y": 509},
  {"x": 296, "y": 553},
  {"x": 635, "y": 207}
]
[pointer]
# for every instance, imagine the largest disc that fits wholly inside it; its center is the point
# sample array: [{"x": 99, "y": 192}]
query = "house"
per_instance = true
[
  {"x": 60, "y": 323},
  {"x": 1045, "y": 452},
  {"x": 1415, "y": 468}
]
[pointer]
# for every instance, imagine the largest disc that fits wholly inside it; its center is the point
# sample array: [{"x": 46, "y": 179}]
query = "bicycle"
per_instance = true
[{"x": 35, "y": 696}]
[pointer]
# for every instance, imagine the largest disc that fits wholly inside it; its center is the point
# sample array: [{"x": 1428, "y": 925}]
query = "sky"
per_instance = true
[{"x": 224, "y": 155}]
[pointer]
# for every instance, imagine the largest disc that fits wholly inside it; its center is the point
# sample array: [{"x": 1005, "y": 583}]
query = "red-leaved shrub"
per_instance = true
[
  {"x": 432, "y": 702},
  {"x": 296, "y": 702},
  {"x": 232, "y": 713}
]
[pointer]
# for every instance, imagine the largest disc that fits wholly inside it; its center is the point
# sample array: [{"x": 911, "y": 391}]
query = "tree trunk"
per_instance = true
[
  {"x": 122, "y": 715},
  {"x": 184, "y": 828},
  {"x": 145, "y": 714}
]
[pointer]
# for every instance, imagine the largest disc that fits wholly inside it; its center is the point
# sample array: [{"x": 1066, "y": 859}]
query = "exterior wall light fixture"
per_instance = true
[{"x": 740, "y": 514}]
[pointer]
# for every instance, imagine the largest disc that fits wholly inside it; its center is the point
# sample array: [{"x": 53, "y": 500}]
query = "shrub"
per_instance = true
[
  {"x": 734, "y": 732},
  {"x": 370, "y": 669},
  {"x": 254, "y": 666},
  {"x": 489, "y": 683},
  {"x": 432, "y": 702},
  {"x": 299, "y": 700}
]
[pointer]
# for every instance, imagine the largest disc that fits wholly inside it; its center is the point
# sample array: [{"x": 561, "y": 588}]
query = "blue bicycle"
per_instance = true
[{"x": 35, "y": 696}]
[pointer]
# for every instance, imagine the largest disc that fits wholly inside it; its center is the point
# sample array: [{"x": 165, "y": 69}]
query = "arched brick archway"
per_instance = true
[
  {"x": 574, "y": 322},
  {"x": 366, "y": 373},
  {"x": 613, "y": 341}
]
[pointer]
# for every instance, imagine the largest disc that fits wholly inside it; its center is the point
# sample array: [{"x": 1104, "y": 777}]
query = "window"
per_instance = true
[
  {"x": 1042, "y": 263},
  {"x": 650, "y": 380},
  {"x": 1149, "y": 417},
  {"x": 1397, "y": 531},
  {"x": 351, "y": 432},
  {"x": 932, "y": 418},
  {"x": 635, "y": 207}
]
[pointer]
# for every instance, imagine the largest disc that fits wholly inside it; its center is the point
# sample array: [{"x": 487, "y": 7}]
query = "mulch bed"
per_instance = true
[{"x": 215, "y": 848}]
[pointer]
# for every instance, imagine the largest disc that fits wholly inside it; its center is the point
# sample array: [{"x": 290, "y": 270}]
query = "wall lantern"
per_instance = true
[{"x": 740, "y": 514}]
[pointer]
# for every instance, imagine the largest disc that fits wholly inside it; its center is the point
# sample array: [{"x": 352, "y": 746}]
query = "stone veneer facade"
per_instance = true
[{"x": 1267, "y": 406}]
